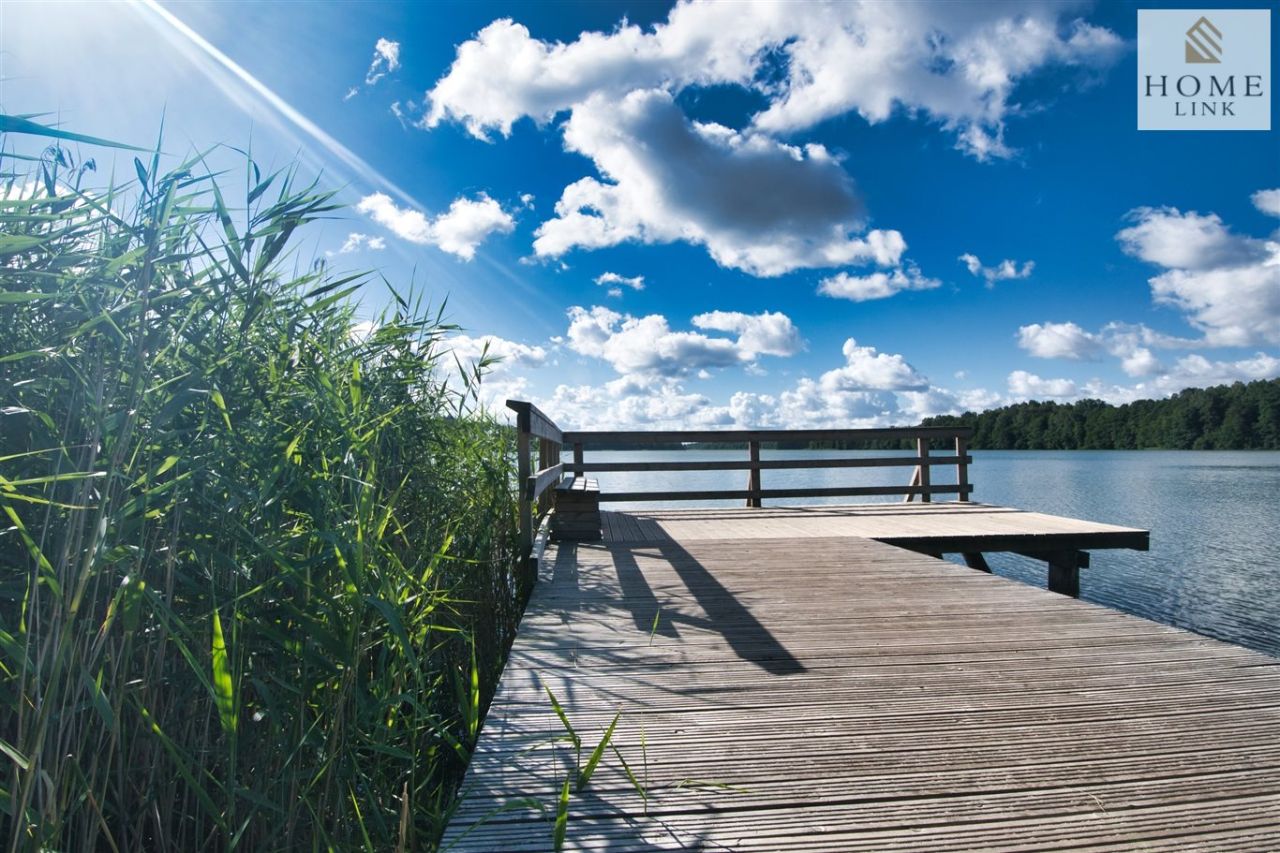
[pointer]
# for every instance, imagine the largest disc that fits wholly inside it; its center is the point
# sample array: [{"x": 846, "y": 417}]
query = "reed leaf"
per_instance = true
[{"x": 584, "y": 777}]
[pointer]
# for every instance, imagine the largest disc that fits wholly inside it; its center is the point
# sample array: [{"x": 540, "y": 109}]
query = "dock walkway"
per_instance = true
[
  {"x": 785, "y": 690},
  {"x": 812, "y": 679}
]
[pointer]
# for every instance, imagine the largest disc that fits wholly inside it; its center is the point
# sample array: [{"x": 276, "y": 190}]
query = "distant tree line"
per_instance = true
[{"x": 1224, "y": 417}]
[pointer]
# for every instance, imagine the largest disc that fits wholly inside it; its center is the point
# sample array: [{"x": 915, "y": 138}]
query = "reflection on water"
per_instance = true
[{"x": 1213, "y": 566}]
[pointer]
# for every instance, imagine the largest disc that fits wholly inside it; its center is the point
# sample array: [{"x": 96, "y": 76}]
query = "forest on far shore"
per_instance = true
[{"x": 1225, "y": 417}]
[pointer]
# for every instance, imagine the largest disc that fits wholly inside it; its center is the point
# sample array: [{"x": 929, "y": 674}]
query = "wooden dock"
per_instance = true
[{"x": 809, "y": 678}]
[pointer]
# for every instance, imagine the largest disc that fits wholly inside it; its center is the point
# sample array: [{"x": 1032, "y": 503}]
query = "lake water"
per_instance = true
[{"x": 1214, "y": 517}]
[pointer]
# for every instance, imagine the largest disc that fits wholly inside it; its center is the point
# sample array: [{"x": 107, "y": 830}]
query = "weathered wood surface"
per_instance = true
[
  {"x": 532, "y": 421},
  {"x": 577, "y": 515},
  {"x": 950, "y": 527},
  {"x": 540, "y": 480},
  {"x": 833, "y": 693}
]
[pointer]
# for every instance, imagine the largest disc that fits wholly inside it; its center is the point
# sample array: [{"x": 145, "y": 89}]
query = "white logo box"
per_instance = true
[{"x": 1182, "y": 87}]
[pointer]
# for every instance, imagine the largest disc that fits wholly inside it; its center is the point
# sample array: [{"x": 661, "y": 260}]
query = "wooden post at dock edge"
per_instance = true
[
  {"x": 1064, "y": 573},
  {"x": 753, "y": 476}
]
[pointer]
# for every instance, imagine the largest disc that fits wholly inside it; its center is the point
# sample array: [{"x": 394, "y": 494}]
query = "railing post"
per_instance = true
[
  {"x": 526, "y": 505},
  {"x": 547, "y": 500},
  {"x": 753, "y": 475},
  {"x": 962, "y": 467},
  {"x": 577, "y": 458},
  {"x": 922, "y": 450}
]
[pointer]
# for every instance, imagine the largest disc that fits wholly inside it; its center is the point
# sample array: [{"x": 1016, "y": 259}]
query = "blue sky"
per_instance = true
[{"x": 800, "y": 214}]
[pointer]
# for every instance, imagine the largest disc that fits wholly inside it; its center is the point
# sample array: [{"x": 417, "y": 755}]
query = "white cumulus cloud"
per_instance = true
[
  {"x": 459, "y": 230},
  {"x": 1026, "y": 385},
  {"x": 1141, "y": 362},
  {"x": 1060, "y": 340},
  {"x": 356, "y": 241},
  {"x": 1227, "y": 284},
  {"x": 1268, "y": 201},
  {"x": 635, "y": 282},
  {"x": 866, "y": 369},
  {"x": 951, "y": 63},
  {"x": 1131, "y": 344},
  {"x": 756, "y": 204},
  {"x": 1190, "y": 241},
  {"x": 770, "y": 333},
  {"x": 386, "y": 59},
  {"x": 876, "y": 285},
  {"x": 649, "y": 346},
  {"x": 467, "y": 223},
  {"x": 1003, "y": 271},
  {"x": 871, "y": 388}
]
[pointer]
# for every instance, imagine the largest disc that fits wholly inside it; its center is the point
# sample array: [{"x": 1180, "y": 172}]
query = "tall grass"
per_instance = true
[{"x": 255, "y": 570}]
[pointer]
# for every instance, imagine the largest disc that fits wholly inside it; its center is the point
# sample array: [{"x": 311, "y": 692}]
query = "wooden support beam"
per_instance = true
[
  {"x": 1081, "y": 557},
  {"x": 975, "y": 560},
  {"x": 962, "y": 464},
  {"x": 915, "y": 481}
]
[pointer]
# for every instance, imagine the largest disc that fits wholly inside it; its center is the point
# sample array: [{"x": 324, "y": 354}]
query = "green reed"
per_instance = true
[{"x": 255, "y": 570}]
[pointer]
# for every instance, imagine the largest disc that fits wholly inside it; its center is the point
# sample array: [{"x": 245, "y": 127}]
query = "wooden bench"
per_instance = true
[{"x": 577, "y": 515}]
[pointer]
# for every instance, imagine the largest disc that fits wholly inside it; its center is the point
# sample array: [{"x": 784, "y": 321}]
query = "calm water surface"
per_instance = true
[{"x": 1214, "y": 517}]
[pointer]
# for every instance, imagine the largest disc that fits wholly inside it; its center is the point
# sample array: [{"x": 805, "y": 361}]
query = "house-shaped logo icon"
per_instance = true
[{"x": 1204, "y": 42}]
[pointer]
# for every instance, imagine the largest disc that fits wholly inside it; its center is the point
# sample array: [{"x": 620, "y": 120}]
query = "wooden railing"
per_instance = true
[
  {"x": 537, "y": 492},
  {"x": 754, "y": 494}
]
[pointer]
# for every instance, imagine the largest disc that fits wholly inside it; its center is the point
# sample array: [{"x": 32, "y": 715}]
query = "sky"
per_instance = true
[{"x": 724, "y": 214}]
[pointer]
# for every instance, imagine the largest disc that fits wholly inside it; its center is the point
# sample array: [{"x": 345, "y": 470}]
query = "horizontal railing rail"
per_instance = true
[
  {"x": 762, "y": 435},
  {"x": 769, "y": 464}
]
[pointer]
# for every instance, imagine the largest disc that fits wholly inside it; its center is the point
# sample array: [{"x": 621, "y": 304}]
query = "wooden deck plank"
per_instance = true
[{"x": 804, "y": 691}]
